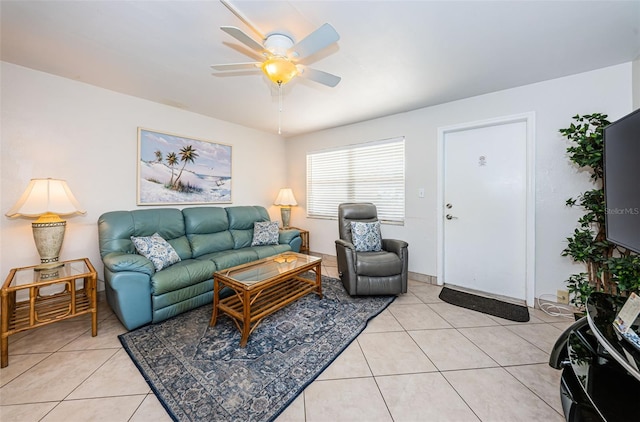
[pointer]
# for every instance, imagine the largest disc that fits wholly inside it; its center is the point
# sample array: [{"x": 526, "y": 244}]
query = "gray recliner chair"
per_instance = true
[{"x": 369, "y": 273}]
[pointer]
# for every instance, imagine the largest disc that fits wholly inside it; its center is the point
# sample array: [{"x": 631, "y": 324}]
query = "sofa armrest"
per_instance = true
[
  {"x": 129, "y": 296},
  {"x": 120, "y": 261},
  {"x": 287, "y": 235}
]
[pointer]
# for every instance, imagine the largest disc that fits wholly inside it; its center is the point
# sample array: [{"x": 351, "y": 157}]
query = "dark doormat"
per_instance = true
[{"x": 495, "y": 307}]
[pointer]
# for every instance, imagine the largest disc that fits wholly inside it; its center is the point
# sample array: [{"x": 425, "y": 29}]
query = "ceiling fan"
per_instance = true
[{"x": 281, "y": 54}]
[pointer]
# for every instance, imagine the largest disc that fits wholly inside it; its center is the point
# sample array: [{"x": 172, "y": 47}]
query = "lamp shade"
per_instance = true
[
  {"x": 46, "y": 196},
  {"x": 285, "y": 198}
]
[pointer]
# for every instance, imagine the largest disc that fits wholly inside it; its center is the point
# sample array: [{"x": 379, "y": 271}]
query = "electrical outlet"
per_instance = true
[{"x": 562, "y": 296}]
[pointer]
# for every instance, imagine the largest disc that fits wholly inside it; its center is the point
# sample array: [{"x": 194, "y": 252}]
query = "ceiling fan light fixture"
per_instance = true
[{"x": 280, "y": 70}]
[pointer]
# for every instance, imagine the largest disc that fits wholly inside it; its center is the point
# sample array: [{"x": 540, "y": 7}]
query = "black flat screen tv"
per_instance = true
[{"x": 622, "y": 181}]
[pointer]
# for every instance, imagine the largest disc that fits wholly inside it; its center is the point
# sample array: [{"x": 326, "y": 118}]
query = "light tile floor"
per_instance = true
[{"x": 419, "y": 360}]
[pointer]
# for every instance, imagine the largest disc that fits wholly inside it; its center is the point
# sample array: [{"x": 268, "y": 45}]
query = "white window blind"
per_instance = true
[{"x": 370, "y": 172}]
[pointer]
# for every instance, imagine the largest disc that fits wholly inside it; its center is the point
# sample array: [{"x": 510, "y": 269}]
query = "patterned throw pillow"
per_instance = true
[
  {"x": 265, "y": 233},
  {"x": 157, "y": 250},
  {"x": 366, "y": 236}
]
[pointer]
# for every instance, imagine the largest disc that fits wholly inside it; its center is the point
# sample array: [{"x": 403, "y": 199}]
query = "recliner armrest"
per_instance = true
[
  {"x": 345, "y": 244},
  {"x": 394, "y": 245}
]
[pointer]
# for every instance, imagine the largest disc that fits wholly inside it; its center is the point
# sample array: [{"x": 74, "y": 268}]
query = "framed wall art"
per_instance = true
[{"x": 174, "y": 169}]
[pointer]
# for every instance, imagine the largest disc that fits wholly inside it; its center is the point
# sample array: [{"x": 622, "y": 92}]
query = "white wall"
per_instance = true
[
  {"x": 60, "y": 128},
  {"x": 55, "y": 127},
  {"x": 554, "y": 102}
]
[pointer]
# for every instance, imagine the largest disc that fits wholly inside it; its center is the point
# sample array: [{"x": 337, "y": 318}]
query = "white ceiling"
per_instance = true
[{"x": 393, "y": 56}]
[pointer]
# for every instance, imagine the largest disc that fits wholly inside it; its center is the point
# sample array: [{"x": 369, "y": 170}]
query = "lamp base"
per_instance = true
[
  {"x": 285, "y": 213},
  {"x": 48, "y": 236}
]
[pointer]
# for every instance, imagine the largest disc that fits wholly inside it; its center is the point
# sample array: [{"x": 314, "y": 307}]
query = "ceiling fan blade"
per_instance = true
[
  {"x": 236, "y": 66},
  {"x": 319, "y": 76},
  {"x": 314, "y": 42},
  {"x": 239, "y": 35},
  {"x": 243, "y": 18}
]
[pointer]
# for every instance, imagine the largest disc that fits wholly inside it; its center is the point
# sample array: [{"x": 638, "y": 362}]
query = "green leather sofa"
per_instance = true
[{"x": 207, "y": 239}]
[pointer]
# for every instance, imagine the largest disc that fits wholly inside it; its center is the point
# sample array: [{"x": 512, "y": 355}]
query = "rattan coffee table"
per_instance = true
[{"x": 263, "y": 287}]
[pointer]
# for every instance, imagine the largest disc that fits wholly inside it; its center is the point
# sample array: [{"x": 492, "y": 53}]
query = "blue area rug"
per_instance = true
[{"x": 200, "y": 373}]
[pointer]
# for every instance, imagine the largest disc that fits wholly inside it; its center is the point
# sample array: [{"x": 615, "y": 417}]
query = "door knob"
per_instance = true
[{"x": 450, "y": 217}]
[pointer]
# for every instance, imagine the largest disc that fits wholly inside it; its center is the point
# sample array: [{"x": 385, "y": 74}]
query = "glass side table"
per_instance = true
[{"x": 32, "y": 298}]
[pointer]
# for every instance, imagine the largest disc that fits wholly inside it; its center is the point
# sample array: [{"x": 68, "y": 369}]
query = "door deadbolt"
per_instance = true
[{"x": 449, "y": 206}]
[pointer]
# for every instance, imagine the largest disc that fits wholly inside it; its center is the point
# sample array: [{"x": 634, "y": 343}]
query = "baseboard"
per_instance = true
[{"x": 423, "y": 278}]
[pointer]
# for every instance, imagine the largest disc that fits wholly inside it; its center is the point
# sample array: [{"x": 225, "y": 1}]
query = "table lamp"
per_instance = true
[
  {"x": 47, "y": 199},
  {"x": 285, "y": 200}
]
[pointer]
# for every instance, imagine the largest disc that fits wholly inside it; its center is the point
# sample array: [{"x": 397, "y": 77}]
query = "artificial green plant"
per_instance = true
[{"x": 609, "y": 268}]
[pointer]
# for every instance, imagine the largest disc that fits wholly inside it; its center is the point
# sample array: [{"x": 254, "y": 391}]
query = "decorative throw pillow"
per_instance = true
[
  {"x": 156, "y": 249},
  {"x": 366, "y": 236},
  {"x": 265, "y": 233}
]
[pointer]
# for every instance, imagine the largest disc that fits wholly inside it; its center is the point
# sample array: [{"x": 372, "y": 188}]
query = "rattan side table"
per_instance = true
[{"x": 32, "y": 298}]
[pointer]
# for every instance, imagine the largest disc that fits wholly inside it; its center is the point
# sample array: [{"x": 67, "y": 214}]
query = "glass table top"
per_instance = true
[
  {"x": 270, "y": 267},
  {"x": 68, "y": 269}
]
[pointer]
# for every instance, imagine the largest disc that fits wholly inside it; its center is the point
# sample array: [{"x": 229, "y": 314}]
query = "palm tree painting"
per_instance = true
[{"x": 173, "y": 169}]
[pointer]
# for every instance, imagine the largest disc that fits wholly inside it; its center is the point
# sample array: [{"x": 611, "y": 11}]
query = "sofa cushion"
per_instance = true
[
  {"x": 202, "y": 244},
  {"x": 265, "y": 233},
  {"x": 366, "y": 236},
  {"x": 182, "y": 246},
  {"x": 202, "y": 220},
  {"x": 182, "y": 274},
  {"x": 270, "y": 250},
  {"x": 115, "y": 229},
  {"x": 167, "y": 222},
  {"x": 207, "y": 229},
  {"x": 156, "y": 250},
  {"x": 228, "y": 259},
  {"x": 241, "y": 219}
]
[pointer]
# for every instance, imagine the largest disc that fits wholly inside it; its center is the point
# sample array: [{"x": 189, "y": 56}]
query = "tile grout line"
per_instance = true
[{"x": 527, "y": 387}]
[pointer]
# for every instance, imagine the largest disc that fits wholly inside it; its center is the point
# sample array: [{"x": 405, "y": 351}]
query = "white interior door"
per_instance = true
[{"x": 485, "y": 209}]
